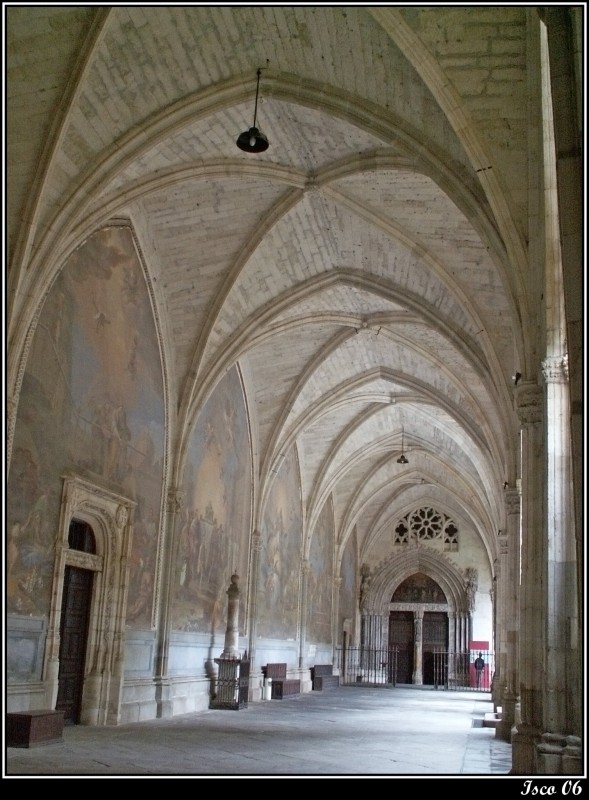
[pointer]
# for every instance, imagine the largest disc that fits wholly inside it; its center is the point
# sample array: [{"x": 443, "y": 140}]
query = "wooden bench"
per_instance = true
[
  {"x": 323, "y": 677},
  {"x": 281, "y": 685}
]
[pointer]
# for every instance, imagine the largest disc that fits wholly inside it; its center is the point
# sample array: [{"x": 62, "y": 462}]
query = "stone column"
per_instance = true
[
  {"x": 529, "y": 403},
  {"x": 418, "y": 647},
  {"x": 498, "y": 604},
  {"x": 371, "y": 630},
  {"x": 452, "y": 631},
  {"x": 561, "y": 706},
  {"x": 566, "y": 86},
  {"x": 336, "y": 584},
  {"x": 254, "y": 574},
  {"x": 453, "y": 649},
  {"x": 231, "y": 648},
  {"x": 462, "y": 640},
  {"x": 370, "y": 638},
  {"x": 305, "y": 569},
  {"x": 510, "y": 621},
  {"x": 163, "y": 698}
]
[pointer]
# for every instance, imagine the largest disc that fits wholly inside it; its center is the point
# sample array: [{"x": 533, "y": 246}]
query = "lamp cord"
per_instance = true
[{"x": 259, "y": 72}]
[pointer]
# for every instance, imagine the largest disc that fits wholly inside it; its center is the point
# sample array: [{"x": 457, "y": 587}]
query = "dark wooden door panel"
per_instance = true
[
  {"x": 435, "y": 637},
  {"x": 75, "y": 610},
  {"x": 435, "y": 629},
  {"x": 400, "y": 627},
  {"x": 405, "y": 666},
  {"x": 401, "y": 635}
]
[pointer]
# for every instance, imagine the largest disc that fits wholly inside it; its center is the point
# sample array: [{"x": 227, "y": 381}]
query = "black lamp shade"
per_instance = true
[{"x": 252, "y": 141}]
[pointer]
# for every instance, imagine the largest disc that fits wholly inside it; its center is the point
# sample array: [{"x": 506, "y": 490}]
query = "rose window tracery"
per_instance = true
[{"x": 425, "y": 524}]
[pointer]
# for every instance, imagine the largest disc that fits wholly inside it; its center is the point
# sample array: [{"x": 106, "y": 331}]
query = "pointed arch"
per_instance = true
[{"x": 391, "y": 573}]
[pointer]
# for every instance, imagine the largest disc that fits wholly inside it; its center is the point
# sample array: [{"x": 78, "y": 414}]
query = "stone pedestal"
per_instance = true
[
  {"x": 232, "y": 685},
  {"x": 231, "y": 649}
]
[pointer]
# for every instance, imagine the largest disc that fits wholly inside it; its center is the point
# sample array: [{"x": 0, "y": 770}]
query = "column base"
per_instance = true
[
  {"x": 507, "y": 721},
  {"x": 163, "y": 700},
  {"x": 557, "y": 754},
  {"x": 524, "y": 739},
  {"x": 572, "y": 757}
]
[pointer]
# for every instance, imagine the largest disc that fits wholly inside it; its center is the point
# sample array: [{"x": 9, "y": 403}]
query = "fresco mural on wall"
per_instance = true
[
  {"x": 94, "y": 371},
  {"x": 215, "y": 532},
  {"x": 348, "y": 603},
  {"x": 280, "y": 557},
  {"x": 320, "y": 581}
]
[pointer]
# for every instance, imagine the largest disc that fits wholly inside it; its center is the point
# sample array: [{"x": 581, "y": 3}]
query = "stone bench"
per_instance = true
[
  {"x": 33, "y": 728},
  {"x": 281, "y": 685},
  {"x": 323, "y": 677}
]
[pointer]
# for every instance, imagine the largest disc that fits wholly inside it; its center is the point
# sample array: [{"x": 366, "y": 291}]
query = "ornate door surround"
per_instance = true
[{"x": 110, "y": 515}]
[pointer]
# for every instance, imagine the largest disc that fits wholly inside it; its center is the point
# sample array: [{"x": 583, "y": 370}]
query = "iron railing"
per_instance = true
[
  {"x": 459, "y": 670},
  {"x": 361, "y": 665},
  {"x": 446, "y": 669}
]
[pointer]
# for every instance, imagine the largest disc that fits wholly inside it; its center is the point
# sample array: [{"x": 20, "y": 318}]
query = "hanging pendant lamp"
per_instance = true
[
  {"x": 253, "y": 140},
  {"x": 402, "y": 459}
]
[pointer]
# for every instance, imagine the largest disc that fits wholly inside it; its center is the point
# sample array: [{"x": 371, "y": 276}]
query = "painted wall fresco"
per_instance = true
[
  {"x": 280, "y": 556},
  {"x": 215, "y": 532},
  {"x": 92, "y": 402},
  {"x": 320, "y": 579},
  {"x": 348, "y": 603}
]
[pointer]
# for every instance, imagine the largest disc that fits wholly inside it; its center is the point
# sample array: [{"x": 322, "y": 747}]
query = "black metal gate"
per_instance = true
[
  {"x": 232, "y": 684},
  {"x": 453, "y": 671},
  {"x": 362, "y": 665},
  {"x": 471, "y": 670}
]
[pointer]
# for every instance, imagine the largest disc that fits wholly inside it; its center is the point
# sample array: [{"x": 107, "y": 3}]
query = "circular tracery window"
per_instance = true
[{"x": 426, "y": 523}]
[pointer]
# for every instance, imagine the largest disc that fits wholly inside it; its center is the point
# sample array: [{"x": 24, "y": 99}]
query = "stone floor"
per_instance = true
[{"x": 350, "y": 731}]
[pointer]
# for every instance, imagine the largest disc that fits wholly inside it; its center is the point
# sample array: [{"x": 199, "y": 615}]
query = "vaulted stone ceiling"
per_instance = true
[{"x": 365, "y": 271}]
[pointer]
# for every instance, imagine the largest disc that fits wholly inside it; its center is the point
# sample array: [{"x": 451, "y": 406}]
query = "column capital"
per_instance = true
[
  {"x": 503, "y": 543},
  {"x": 174, "y": 500},
  {"x": 372, "y": 610},
  {"x": 529, "y": 401},
  {"x": 555, "y": 369},
  {"x": 512, "y": 502},
  {"x": 256, "y": 543}
]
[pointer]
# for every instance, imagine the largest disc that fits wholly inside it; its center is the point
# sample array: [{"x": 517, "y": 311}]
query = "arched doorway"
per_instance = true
[
  {"x": 418, "y": 627},
  {"x": 418, "y": 582},
  {"x": 74, "y": 623},
  {"x": 87, "y": 620}
]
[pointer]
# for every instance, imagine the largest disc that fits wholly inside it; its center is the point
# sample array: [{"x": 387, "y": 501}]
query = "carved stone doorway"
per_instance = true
[
  {"x": 418, "y": 626},
  {"x": 108, "y": 516}
]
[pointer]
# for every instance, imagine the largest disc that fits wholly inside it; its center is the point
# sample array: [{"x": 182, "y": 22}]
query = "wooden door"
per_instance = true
[
  {"x": 75, "y": 611},
  {"x": 435, "y": 637},
  {"x": 401, "y": 636}
]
